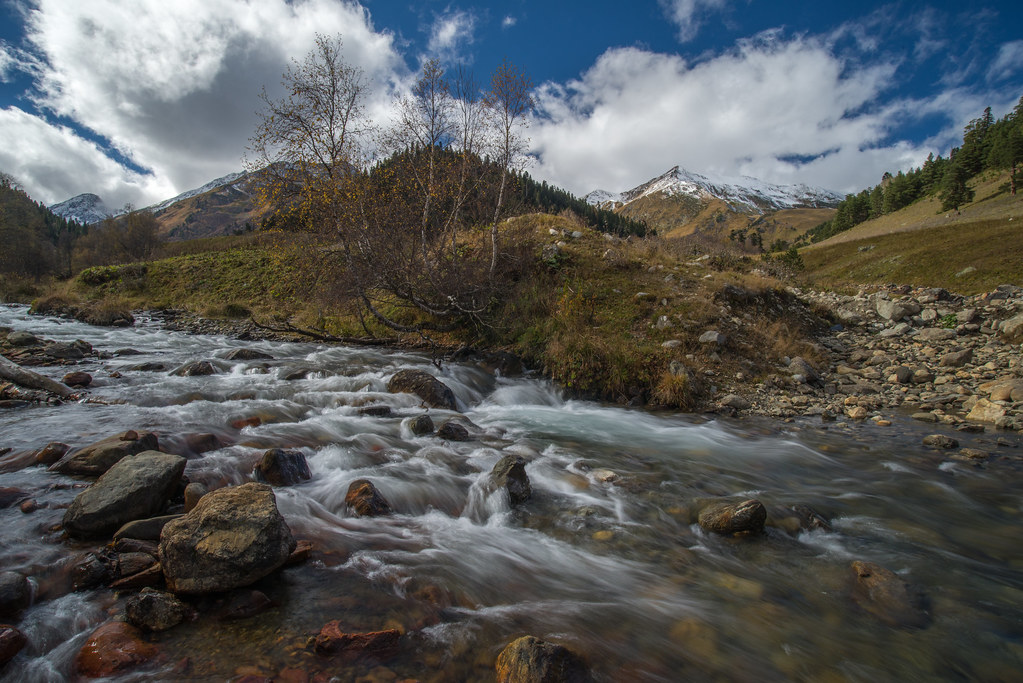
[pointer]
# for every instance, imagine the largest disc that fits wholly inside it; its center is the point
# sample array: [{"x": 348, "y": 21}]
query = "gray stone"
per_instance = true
[
  {"x": 97, "y": 458},
  {"x": 896, "y": 310},
  {"x": 735, "y": 401},
  {"x": 153, "y": 610},
  {"x": 510, "y": 473},
  {"x": 234, "y": 537},
  {"x": 933, "y": 334},
  {"x": 15, "y": 594},
  {"x": 956, "y": 359},
  {"x": 732, "y": 518},
  {"x": 421, "y": 425},
  {"x": 712, "y": 337},
  {"x": 195, "y": 368},
  {"x": 247, "y": 354},
  {"x": 22, "y": 338},
  {"x": 453, "y": 431},
  {"x": 424, "y": 385},
  {"x": 136, "y": 487},
  {"x": 144, "y": 529},
  {"x": 279, "y": 467},
  {"x": 1012, "y": 329}
]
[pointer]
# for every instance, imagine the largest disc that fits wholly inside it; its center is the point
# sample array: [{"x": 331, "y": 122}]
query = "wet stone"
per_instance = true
[
  {"x": 12, "y": 641},
  {"x": 733, "y": 518},
  {"x": 153, "y": 610},
  {"x": 885, "y": 595},
  {"x": 280, "y": 467},
  {"x": 113, "y": 648},
  {"x": 77, "y": 379},
  {"x": 15, "y": 594},
  {"x": 532, "y": 660},
  {"x": 453, "y": 431},
  {"x": 431, "y": 390},
  {"x": 374, "y": 645},
  {"x": 196, "y": 368},
  {"x": 365, "y": 500},
  {"x": 421, "y": 425},
  {"x": 510, "y": 473},
  {"x": 940, "y": 441}
]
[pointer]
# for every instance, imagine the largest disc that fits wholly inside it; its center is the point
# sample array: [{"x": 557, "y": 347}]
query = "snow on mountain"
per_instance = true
[
  {"x": 603, "y": 198},
  {"x": 745, "y": 194},
  {"x": 85, "y": 208},
  {"x": 212, "y": 185}
]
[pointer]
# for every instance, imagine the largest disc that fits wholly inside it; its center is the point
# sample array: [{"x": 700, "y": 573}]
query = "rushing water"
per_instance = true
[{"x": 616, "y": 570}]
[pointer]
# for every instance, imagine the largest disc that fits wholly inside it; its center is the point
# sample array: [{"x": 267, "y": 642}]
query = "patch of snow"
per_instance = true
[
  {"x": 85, "y": 208},
  {"x": 212, "y": 185}
]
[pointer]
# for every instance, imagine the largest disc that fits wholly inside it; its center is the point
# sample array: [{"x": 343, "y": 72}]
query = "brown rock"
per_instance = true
[
  {"x": 77, "y": 379},
  {"x": 940, "y": 441},
  {"x": 11, "y": 496},
  {"x": 193, "y": 493},
  {"x": 510, "y": 473},
  {"x": 421, "y": 425},
  {"x": 113, "y": 648},
  {"x": 51, "y": 453},
  {"x": 365, "y": 500},
  {"x": 279, "y": 467},
  {"x": 375, "y": 645},
  {"x": 202, "y": 443},
  {"x": 303, "y": 549},
  {"x": 11, "y": 643},
  {"x": 956, "y": 359},
  {"x": 95, "y": 459},
  {"x": 153, "y": 610},
  {"x": 986, "y": 411},
  {"x": 147, "y": 578},
  {"x": 732, "y": 518},
  {"x": 531, "y": 660},
  {"x": 453, "y": 431},
  {"x": 242, "y": 604},
  {"x": 882, "y": 593},
  {"x": 424, "y": 385}
]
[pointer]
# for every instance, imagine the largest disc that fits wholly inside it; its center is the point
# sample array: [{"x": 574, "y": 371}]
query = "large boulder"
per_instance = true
[
  {"x": 424, "y": 385},
  {"x": 136, "y": 487},
  {"x": 1012, "y": 329},
  {"x": 733, "y": 518},
  {"x": 95, "y": 459},
  {"x": 234, "y": 537},
  {"x": 883, "y": 594},
  {"x": 510, "y": 474},
  {"x": 896, "y": 310},
  {"x": 366, "y": 500},
  {"x": 531, "y": 660},
  {"x": 279, "y": 467}
]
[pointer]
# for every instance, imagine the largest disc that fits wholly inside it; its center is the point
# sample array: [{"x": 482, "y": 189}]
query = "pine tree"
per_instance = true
[{"x": 954, "y": 192}]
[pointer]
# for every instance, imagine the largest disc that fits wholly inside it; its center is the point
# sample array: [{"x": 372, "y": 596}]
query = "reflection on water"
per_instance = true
[{"x": 604, "y": 558}]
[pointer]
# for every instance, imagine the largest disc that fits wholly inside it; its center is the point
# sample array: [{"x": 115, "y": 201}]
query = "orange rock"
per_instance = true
[
  {"x": 379, "y": 645},
  {"x": 241, "y": 423},
  {"x": 113, "y": 648}
]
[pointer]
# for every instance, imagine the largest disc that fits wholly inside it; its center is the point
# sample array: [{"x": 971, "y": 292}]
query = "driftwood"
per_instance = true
[
  {"x": 287, "y": 327},
  {"x": 12, "y": 372}
]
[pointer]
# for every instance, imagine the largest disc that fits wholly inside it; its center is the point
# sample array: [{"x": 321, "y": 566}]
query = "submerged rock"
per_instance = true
[
  {"x": 453, "y": 431},
  {"x": 136, "y": 487},
  {"x": 113, "y": 648},
  {"x": 95, "y": 459},
  {"x": 247, "y": 354},
  {"x": 234, "y": 537},
  {"x": 350, "y": 647},
  {"x": 153, "y": 610},
  {"x": 195, "y": 368},
  {"x": 15, "y": 594},
  {"x": 77, "y": 379},
  {"x": 12, "y": 641},
  {"x": 366, "y": 500},
  {"x": 531, "y": 660},
  {"x": 810, "y": 519},
  {"x": 510, "y": 473},
  {"x": 280, "y": 467},
  {"x": 424, "y": 385},
  {"x": 733, "y": 518},
  {"x": 421, "y": 425},
  {"x": 882, "y": 593}
]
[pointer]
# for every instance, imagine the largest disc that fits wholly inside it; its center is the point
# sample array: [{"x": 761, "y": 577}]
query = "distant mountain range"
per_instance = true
[{"x": 680, "y": 203}]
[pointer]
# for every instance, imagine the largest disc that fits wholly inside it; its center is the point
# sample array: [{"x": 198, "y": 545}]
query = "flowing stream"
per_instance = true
[{"x": 611, "y": 566}]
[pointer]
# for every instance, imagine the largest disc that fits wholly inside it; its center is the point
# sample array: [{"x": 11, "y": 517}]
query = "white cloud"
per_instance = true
[
  {"x": 785, "y": 111},
  {"x": 174, "y": 86},
  {"x": 450, "y": 32},
  {"x": 509, "y": 21},
  {"x": 687, "y": 14},
  {"x": 1008, "y": 62}
]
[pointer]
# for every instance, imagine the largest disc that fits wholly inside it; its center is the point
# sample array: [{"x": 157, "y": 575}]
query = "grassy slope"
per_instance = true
[{"x": 922, "y": 246}]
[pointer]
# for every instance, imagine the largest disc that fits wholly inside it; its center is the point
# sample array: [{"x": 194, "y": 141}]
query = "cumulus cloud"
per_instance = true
[
  {"x": 783, "y": 110},
  {"x": 688, "y": 14},
  {"x": 451, "y": 32},
  {"x": 173, "y": 86}
]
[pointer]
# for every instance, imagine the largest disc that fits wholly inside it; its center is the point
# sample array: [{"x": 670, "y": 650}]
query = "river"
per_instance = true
[{"x": 612, "y": 566}]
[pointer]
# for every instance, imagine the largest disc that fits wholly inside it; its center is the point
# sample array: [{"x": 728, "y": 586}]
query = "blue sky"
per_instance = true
[{"x": 140, "y": 100}]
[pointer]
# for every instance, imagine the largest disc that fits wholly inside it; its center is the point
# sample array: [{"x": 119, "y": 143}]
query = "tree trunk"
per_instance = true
[{"x": 12, "y": 372}]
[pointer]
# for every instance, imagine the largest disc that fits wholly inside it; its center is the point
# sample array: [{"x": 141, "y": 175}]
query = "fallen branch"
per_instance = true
[
  {"x": 12, "y": 372},
  {"x": 287, "y": 327}
]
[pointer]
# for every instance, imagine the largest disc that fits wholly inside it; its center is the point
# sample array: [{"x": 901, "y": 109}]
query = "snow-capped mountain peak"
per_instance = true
[
  {"x": 212, "y": 185},
  {"x": 85, "y": 208}
]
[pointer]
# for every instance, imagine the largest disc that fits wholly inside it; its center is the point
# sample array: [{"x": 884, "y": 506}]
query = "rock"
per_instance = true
[
  {"x": 51, "y": 453},
  {"x": 986, "y": 411},
  {"x": 202, "y": 443},
  {"x": 234, "y": 537},
  {"x": 453, "y": 431},
  {"x": 66, "y": 350},
  {"x": 195, "y": 368},
  {"x": 279, "y": 467},
  {"x": 856, "y": 412},
  {"x": 531, "y": 660},
  {"x": 15, "y": 594},
  {"x": 77, "y": 379},
  {"x": 1011, "y": 330},
  {"x": 882, "y": 593},
  {"x": 956, "y": 359},
  {"x": 136, "y": 487},
  {"x": 424, "y": 385},
  {"x": 365, "y": 500},
  {"x": 351, "y": 647},
  {"x": 11, "y": 496},
  {"x": 901, "y": 375},
  {"x": 144, "y": 529},
  {"x": 421, "y": 425},
  {"x": 95, "y": 459},
  {"x": 94, "y": 570},
  {"x": 922, "y": 376},
  {"x": 375, "y": 411},
  {"x": 152, "y": 366},
  {"x": 934, "y": 334},
  {"x": 247, "y": 354},
  {"x": 732, "y": 518},
  {"x": 925, "y": 417},
  {"x": 302, "y": 552},
  {"x": 712, "y": 337},
  {"x": 147, "y": 578},
  {"x": 810, "y": 519},
  {"x": 153, "y": 610},
  {"x": 510, "y": 474},
  {"x": 12, "y": 641},
  {"x": 940, "y": 441},
  {"x": 1006, "y": 390},
  {"x": 193, "y": 493},
  {"x": 22, "y": 338},
  {"x": 895, "y": 310},
  {"x": 243, "y": 604},
  {"x": 800, "y": 366},
  {"x": 113, "y": 648},
  {"x": 735, "y": 401}
]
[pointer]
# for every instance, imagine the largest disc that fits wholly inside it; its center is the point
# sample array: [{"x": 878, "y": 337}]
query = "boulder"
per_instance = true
[
  {"x": 247, "y": 354},
  {"x": 366, "y": 500},
  {"x": 453, "y": 431},
  {"x": 67, "y": 350},
  {"x": 882, "y": 593},
  {"x": 202, "y": 442},
  {"x": 15, "y": 594},
  {"x": 712, "y": 337},
  {"x": 1006, "y": 390},
  {"x": 896, "y": 310},
  {"x": 193, "y": 494},
  {"x": 424, "y": 385},
  {"x": 1011, "y": 330},
  {"x": 136, "y": 487},
  {"x": 421, "y": 425},
  {"x": 12, "y": 641},
  {"x": 279, "y": 467},
  {"x": 50, "y": 453},
  {"x": 148, "y": 529},
  {"x": 153, "y": 610},
  {"x": 800, "y": 366},
  {"x": 940, "y": 441},
  {"x": 351, "y": 647},
  {"x": 732, "y": 518},
  {"x": 986, "y": 411},
  {"x": 531, "y": 660},
  {"x": 510, "y": 474},
  {"x": 22, "y": 338},
  {"x": 77, "y": 379},
  {"x": 234, "y": 537},
  {"x": 956, "y": 359},
  {"x": 95, "y": 459},
  {"x": 934, "y": 334},
  {"x": 113, "y": 648},
  {"x": 195, "y": 368}
]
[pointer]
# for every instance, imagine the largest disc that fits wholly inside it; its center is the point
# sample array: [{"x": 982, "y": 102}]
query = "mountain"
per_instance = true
[
  {"x": 680, "y": 203},
  {"x": 220, "y": 207},
  {"x": 85, "y": 208}
]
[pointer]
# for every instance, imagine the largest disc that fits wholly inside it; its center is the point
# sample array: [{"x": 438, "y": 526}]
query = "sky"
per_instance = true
[{"x": 140, "y": 100}]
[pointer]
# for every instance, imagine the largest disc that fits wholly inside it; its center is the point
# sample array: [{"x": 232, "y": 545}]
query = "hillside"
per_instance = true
[{"x": 224, "y": 206}]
